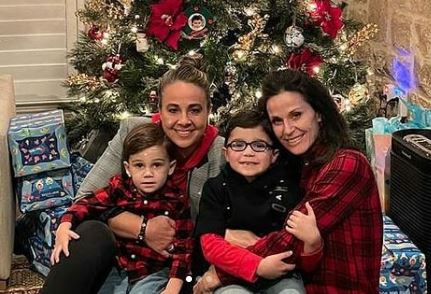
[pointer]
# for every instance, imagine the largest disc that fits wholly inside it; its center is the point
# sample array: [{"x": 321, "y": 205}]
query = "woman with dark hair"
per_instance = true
[{"x": 336, "y": 180}]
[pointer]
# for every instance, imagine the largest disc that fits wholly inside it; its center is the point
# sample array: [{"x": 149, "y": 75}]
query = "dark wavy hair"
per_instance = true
[{"x": 333, "y": 133}]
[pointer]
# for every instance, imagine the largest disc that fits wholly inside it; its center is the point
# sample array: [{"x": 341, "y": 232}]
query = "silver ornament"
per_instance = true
[
  {"x": 142, "y": 44},
  {"x": 230, "y": 74},
  {"x": 293, "y": 37}
]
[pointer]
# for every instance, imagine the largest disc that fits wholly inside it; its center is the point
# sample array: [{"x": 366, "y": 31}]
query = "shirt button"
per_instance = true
[
  {"x": 228, "y": 208},
  {"x": 133, "y": 256},
  {"x": 145, "y": 202},
  {"x": 224, "y": 184},
  {"x": 166, "y": 212}
]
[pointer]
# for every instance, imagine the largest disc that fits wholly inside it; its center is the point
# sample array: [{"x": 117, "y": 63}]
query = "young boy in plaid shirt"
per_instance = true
[{"x": 143, "y": 188}]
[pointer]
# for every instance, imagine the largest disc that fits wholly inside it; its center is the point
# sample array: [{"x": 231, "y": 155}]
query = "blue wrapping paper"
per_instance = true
[
  {"x": 402, "y": 265},
  {"x": 80, "y": 168},
  {"x": 36, "y": 235},
  {"x": 45, "y": 190},
  {"x": 37, "y": 143}
]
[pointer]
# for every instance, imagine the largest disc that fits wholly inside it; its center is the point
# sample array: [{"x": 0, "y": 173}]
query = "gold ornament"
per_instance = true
[
  {"x": 83, "y": 80},
  {"x": 240, "y": 55},
  {"x": 358, "y": 94},
  {"x": 357, "y": 40},
  {"x": 245, "y": 43},
  {"x": 127, "y": 4}
]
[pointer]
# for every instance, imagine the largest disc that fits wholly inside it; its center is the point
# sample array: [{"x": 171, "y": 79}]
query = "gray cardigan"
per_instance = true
[{"x": 109, "y": 164}]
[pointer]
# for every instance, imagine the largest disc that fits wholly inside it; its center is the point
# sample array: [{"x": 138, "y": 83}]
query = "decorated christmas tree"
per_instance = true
[{"x": 129, "y": 44}]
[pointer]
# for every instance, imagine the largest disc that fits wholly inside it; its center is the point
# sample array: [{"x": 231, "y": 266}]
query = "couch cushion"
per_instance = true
[{"x": 7, "y": 203}]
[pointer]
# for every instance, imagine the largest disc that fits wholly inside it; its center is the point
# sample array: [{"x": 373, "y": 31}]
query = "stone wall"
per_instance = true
[{"x": 402, "y": 24}]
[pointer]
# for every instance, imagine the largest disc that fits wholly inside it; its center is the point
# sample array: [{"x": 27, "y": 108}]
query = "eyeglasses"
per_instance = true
[{"x": 257, "y": 146}]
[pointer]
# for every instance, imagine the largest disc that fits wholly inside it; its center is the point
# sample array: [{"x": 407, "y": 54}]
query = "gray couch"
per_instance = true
[{"x": 7, "y": 200}]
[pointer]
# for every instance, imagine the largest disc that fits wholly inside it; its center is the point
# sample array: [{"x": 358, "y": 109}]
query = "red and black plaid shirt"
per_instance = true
[
  {"x": 345, "y": 200},
  {"x": 134, "y": 256}
]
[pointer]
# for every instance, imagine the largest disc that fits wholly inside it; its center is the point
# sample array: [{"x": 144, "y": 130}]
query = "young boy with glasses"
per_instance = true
[{"x": 254, "y": 193}]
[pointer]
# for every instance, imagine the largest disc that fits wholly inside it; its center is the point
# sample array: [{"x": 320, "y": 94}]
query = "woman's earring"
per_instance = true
[{"x": 128, "y": 174}]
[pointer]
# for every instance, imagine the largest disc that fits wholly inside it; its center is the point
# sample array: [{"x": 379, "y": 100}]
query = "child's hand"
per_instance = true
[
  {"x": 273, "y": 266},
  {"x": 62, "y": 237},
  {"x": 208, "y": 283},
  {"x": 304, "y": 227}
]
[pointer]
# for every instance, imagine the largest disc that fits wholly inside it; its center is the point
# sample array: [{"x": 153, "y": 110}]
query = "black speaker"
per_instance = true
[{"x": 410, "y": 187}]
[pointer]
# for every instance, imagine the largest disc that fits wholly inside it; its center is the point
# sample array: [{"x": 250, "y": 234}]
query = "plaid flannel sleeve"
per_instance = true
[
  {"x": 339, "y": 188},
  {"x": 181, "y": 259},
  {"x": 91, "y": 206}
]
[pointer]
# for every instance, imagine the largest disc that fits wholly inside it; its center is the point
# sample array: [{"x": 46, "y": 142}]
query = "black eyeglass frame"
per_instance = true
[{"x": 246, "y": 144}]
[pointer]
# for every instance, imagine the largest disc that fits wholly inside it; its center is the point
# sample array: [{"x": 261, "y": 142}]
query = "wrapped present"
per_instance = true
[
  {"x": 378, "y": 144},
  {"x": 48, "y": 223},
  {"x": 403, "y": 267},
  {"x": 45, "y": 190},
  {"x": 80, "y": 168},
  {"x": 35, "y": 236},
  {"x": 378, "y": 150},
  {"x": 37, "y": 143},
  {"x": 40, "y": 255}
]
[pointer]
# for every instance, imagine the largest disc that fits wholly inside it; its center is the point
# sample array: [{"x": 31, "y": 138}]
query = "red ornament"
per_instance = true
[
  {"x": 111, "y": 75},
  {"x": 111, "y": 68},
  {"x": 94, "y": 33},
  {"x": 328, "y": 17},
  {"x": 166, "y": 22},
  {"x": 305, "y": 61}
]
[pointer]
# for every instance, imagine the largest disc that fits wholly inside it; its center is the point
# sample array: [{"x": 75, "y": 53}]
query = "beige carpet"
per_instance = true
[{"x": 23, "y": 280}]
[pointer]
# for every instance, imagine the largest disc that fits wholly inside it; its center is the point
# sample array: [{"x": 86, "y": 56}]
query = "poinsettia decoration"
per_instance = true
[
  {"x": 328, "y": 17},
  {"x": 166, "y": 22},
  {"x": 305, "y": 60}
]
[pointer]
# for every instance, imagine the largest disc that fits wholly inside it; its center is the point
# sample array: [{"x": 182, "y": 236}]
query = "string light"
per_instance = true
[
  {"x": 316, "y": 69},
  {"x": 249, "y": 11},
  {"x": 258, "y": 94},
  {"x": 134, "y": 29},
  {"x": 343, "y": 47},
  {"x": 276, "y": 49},
  {"x": 105, "y": 39},
  {"x": 312, "y": 6},
  {"x": 123, "y": 115},
  {"x": 160, "y": 61}
]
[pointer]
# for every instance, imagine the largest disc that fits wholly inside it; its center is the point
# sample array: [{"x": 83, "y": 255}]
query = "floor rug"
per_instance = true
[{"x": 23, "y": 280}]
